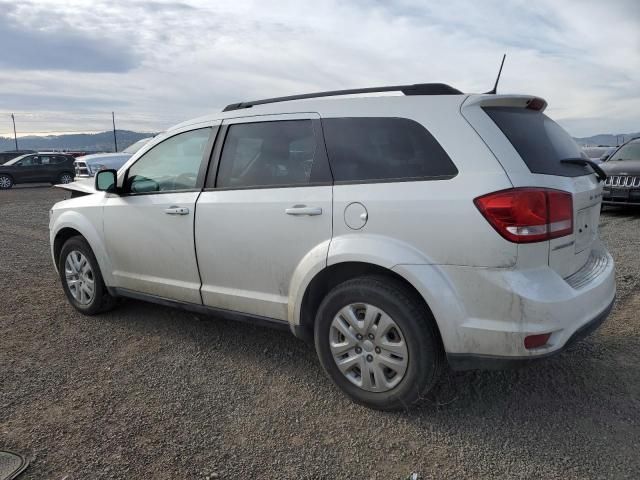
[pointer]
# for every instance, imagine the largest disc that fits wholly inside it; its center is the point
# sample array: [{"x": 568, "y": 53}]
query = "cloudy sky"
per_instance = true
[{"x": 65, "y": 65}]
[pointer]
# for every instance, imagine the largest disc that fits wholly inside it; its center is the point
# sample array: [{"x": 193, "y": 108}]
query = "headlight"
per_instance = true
[{"x": 95, "y": 168}]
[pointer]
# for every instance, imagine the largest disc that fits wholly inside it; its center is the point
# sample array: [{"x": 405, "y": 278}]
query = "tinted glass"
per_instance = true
[
  {"x": 539, "y": 141},
  {"x": 267, "y": 154},
  {"x": 29, "y": 161},
  {"x": 630, "y": 151},
  {"x": 363, "y": 149},
  {"x": 170, "y": 165}
]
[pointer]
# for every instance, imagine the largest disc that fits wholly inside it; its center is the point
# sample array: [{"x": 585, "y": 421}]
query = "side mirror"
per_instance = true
[
  {"x": 604, "y": 157},
  {"x": 106, "y": 181}
]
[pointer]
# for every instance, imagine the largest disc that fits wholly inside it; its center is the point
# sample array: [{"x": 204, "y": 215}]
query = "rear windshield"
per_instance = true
[{"x": 540, "y": 141}]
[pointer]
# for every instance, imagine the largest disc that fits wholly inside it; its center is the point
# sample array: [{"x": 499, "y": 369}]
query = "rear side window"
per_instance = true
[
  {"x": 277, "y": 154},
  {"x": 383, "y": 149},
  {"x": 539, "y": 141}
]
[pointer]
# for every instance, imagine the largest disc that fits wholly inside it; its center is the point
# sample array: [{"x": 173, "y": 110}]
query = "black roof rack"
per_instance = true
[{"x": 416, "y": 89}]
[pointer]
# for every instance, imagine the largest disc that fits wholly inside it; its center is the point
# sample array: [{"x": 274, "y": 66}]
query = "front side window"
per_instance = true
[
  {"x": 29, "y": 161},
  {"x": 171, "y": 165},
  {"x": 277, "y": 153},
  {"x": 364, "y": 149}
]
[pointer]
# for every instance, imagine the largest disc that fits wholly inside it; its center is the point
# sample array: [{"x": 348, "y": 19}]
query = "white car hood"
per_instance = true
[{"x": 84, "y": 185}]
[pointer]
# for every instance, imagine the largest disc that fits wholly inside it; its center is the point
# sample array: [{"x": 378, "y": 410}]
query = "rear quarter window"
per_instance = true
[
  {"x": 540, "y": 142},
  {"x": 365, "y": 149}
]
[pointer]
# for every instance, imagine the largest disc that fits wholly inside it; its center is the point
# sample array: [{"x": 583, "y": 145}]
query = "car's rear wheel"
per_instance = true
[
  {"x": 81, "y": 278},
  {"x": 6, "y": 182},
  {"x": 378, "y": 342},
  {"x": 65, "y": 178}
]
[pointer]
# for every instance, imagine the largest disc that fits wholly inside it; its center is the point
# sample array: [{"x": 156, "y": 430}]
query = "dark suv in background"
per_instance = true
[
  {"x": 11, "y": 154},
  {"x": 622, "y": 186},
  {"x": 37, "y": 167}
]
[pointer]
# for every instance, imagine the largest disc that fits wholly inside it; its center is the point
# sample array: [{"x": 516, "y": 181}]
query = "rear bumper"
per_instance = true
[
  {"x": 486, "y": 313},
  {"x": 462, "y": 361}
]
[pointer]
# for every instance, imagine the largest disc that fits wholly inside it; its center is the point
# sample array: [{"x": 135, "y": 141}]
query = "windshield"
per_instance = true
[
  {"x": 15, "y": 160},
  {"x": 630, "y": 151},
  {"x": 136, "y": 146}
]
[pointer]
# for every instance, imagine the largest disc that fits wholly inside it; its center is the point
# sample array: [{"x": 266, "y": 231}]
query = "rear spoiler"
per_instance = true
[{"x": 517, "y": 101}]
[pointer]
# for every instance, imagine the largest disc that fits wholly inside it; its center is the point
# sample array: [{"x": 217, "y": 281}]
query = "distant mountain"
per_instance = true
[
  {"x": 94, "y": 142},
  {"x": 103, "y": 142},
  {"x": 607, "y": 139}
]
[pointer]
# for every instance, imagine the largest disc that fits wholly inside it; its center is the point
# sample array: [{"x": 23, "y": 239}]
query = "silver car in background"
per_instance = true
[{"x": 88, "y": 165}]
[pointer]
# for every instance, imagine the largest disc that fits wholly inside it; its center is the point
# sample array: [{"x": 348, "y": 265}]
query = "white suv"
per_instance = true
[{"x": 398, "y": 232}]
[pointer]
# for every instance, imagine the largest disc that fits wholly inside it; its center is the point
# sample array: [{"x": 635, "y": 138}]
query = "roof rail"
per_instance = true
[{"x": 416, "y": 89}]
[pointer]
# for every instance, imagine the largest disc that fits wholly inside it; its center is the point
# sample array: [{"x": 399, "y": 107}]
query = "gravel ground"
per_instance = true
[{"x": 151, "y": 392}]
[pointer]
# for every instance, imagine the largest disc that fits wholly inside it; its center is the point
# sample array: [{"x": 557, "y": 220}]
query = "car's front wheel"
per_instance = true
[
  {"x": 378, "y": 342},
  {"x": 81, "y": 278},
  {"x": 6, "y": 182}
]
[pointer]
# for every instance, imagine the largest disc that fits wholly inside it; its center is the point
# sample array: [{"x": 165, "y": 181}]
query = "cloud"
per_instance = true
[
  {"x": 52, "y": 44},
  {"x": 158, "y": 63}
]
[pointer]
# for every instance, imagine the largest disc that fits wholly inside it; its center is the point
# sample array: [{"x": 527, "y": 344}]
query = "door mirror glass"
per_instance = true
[{"x": 106, "y": 180}]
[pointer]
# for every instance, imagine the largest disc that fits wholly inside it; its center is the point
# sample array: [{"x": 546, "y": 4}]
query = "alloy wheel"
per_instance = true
[
  {"x": 79, "y": 277},
  {"x": 5, "y": 182},
  {"x": 66, "y": 178}
]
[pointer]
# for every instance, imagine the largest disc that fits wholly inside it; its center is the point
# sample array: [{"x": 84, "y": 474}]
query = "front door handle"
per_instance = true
[
  {"x": 176, "y": 211},
  {"x": 300, "y": 210}
]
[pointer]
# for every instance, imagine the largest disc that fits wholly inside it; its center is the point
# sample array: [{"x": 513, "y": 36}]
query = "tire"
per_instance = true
[
  {"x": 6, "y": 182},
  {"x": 416, "y": 330},
  {"x": 65, "y": 177},
  {"x": 76, "y": 250}
]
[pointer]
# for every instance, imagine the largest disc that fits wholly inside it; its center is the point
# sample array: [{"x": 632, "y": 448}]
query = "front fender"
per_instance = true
[{"x": 91, "y": 230}]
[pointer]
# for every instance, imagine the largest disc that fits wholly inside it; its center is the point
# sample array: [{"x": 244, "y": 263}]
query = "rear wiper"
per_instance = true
[{"x": 583, "y": 161}]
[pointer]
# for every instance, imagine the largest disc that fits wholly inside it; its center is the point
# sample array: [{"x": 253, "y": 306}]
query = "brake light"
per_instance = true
[
  {"x": 537, "y": 104},
  {"x": 525, "y": 215},
  {"x": 536, "y": 341}
]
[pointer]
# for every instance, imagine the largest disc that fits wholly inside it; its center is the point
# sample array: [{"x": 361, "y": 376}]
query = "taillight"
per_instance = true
[{"x": 525, "y": 215}]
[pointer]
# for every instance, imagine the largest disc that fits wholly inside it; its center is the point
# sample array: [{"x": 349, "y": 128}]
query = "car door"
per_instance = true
[
  {"x": 44, "y": 172},
  {"x": 27, "y": 169},
  {"x": 57, "y": 165},
  {"x": 266, "y": 205},
  {"x": 148, "y": 228}
]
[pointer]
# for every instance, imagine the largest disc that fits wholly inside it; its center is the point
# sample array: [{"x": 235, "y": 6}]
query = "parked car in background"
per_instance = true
[
  {"x": 598, "y": 154},
  {"x": 397, "y": 233},
  {"x": 622, "y": 186},
  {"x": 11, "y": 154},
  {"x": 37, "y": 167},
  {"x": 88, "y": 165}
]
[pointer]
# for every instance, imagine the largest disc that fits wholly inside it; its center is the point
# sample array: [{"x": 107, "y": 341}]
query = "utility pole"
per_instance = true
[
  {"x": 115, "y": 141},
  {"x": 15, "y": 137}
]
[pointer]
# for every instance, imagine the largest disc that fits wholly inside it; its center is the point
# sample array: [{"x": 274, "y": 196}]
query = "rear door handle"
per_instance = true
[
  {"x": 300, "y": 210},
  {"x": 176, "y": 211}
]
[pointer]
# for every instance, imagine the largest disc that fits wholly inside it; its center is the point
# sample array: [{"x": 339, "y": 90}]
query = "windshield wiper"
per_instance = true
[{"x": 583, "y": 161}]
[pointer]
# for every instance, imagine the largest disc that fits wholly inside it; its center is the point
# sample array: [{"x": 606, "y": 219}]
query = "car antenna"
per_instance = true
[{"x": 495, "y": 86}]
